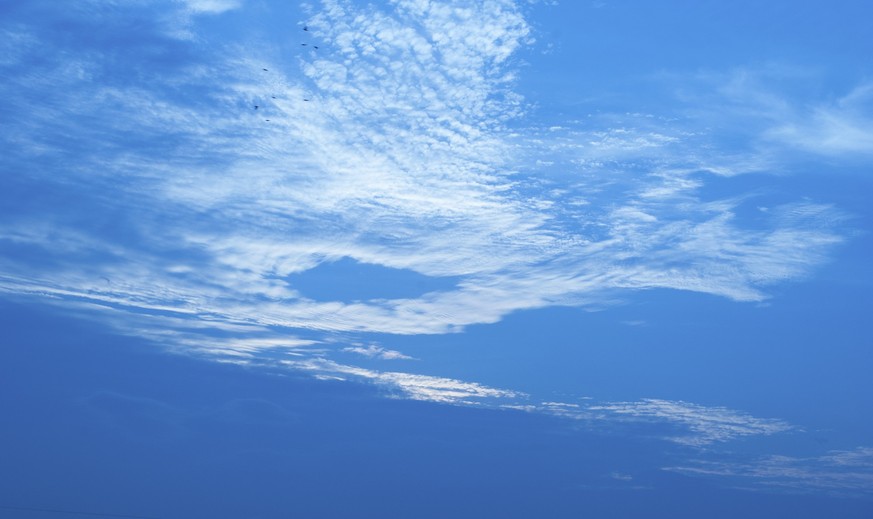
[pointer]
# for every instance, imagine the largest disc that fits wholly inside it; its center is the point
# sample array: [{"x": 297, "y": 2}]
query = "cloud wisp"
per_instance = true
[
  {"x": 837, "y": 129},
  {"x": 377, "y": 352},
  {"x": 840, "y": 473},
  {"x": 408, "y": 385},
  {"x": 705, "y": 425}
]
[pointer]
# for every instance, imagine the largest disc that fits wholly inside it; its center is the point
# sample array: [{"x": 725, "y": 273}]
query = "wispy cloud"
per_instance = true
[
  {"x": 179, "y": 212},
  {"x": 390, "y": 145},
  {"x": 843, "y": 127},
  {"x": 844, "y": 473},
  {"x": 689, "y": 424},
  {"x": 409, "y": 385},
  {"x": 774, "y": 118},
  {"x": 377, "y": 352},
  {"x": 212, "y": 6},
  {"x": 705, "y": 424}
]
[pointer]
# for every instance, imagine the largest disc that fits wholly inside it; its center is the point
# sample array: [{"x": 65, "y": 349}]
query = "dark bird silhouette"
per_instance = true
[
  {"x": 256, "y": 107},
  {"x": 315, "y": 47},
  {"x": 306, "y": 99},
  {"x": 265, "y": 70},
  {"x": 274, "y": 97},
  {"x": 303, "y": 44},
  {"x": 305, "y": 28}
]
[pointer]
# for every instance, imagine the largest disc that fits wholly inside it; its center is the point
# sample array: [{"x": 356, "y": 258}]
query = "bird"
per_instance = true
[
  {"x": 315, "y": 47},
  {"x": 305, "y": 28},
  {"x": 256, "y": 107},
  {"x": 274, "y": 97},
  {"x": 305, "y": 99},
  {"x": 303, "y": 44}
]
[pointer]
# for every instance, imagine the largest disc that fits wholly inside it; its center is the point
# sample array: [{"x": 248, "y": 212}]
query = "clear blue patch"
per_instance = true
[{"x": 348, "y": 280}]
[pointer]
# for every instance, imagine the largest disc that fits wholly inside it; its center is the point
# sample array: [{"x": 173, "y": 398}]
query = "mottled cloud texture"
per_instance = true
[{"x": 184, "y": 181}]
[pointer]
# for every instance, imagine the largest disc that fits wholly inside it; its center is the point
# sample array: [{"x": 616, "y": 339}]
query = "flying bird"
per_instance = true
[
  {"x": 256, "y": 107},
  {"x": 305, "y": 28},
  {"x": 265, "y": 70}
]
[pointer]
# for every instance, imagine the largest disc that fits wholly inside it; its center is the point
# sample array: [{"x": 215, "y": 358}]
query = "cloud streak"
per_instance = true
[
  {"x": 378, "y": 352},
  {"x": 705, "y": 424},
  {"x": 840, "y": 128},
  {"x": 408, "y": 385},
  {"x": 841, "y": 473}
]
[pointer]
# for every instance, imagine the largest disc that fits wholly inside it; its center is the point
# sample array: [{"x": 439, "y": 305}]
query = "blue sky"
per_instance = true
[{"x": 451, "y": 258}]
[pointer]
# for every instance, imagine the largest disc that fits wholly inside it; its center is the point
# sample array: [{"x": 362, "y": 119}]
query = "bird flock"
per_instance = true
[{"x": 302, "y": 44}]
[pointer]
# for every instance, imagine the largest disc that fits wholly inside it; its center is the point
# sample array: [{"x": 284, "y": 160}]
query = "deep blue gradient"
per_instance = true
[
  {"x": 105, "y": 424},
  {"x": 436, "y": 258}
]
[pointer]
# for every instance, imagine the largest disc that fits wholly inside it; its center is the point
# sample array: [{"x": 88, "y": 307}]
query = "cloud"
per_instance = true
[
  {"x": 175, "y": 211},
  {"x": 378, "y": 352},
  {"x": 706, "y": 425},
  {"x": 402, "y": 157},
  {"x": 775, "y": 112},
  {"x": 700, "y": 426},
  {"x": 842, "y": 473},
  {"x": 621, "y": 476},
  {"x": 841, "y": 128},
  {"x": 409, "y": 385},
  {"x": 212, "y": 6}
]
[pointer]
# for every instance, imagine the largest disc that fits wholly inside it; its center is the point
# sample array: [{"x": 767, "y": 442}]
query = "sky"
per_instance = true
[{"x": 420, "y": 258}]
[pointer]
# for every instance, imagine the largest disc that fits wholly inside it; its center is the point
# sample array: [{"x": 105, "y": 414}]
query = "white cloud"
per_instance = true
[
  {"x": 621, "y": 476},
  {"x": 212, "y": 6},
  {"x": 185, "y": 212},
  {"x": 844, "y": 473},
  {"x": 842, "y": 128},
  {"x": 400, "y": 158},
  {"x": 412, "y": 386},
  {"x": 377, "y": 352},
  {"x": 705, "y": 424},
  {"x": 701, "y": 426},
  {"x": 764, "y": 108}
]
